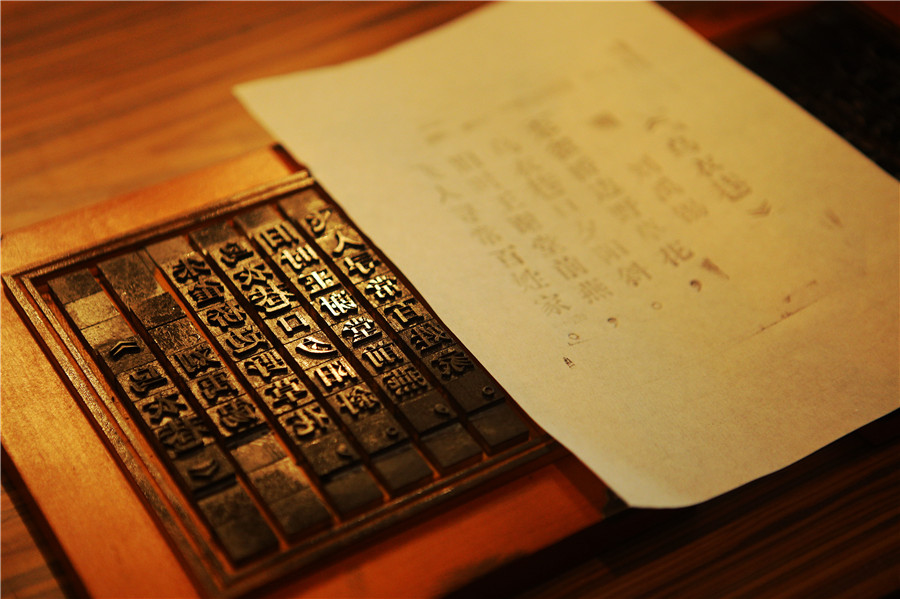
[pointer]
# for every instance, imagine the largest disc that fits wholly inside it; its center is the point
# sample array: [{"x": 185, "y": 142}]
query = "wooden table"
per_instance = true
[{"x": 103, "y": 99}]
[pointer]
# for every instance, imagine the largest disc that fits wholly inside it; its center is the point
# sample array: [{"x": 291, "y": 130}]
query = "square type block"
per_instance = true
[
  {"x": 452, "y": 447},
  {"x": 91, "y": 310},
  {"x": 428, "y": 412},
  {"x": 352, "y": 491},
  {"x": 301, "y": 513},
  {"x": 258, "y": 453},
  {"x": 500, "y": 427},
  {"x": 74, "y": 285},
  {"x": 402, "y": 469}
]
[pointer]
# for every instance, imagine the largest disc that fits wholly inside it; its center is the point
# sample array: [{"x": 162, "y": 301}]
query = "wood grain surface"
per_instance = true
[{"x": 105, "y": 99}]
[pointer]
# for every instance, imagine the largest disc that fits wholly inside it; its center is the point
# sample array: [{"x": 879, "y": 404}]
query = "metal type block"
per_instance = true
[
  {"x": 161, "y": 407},
  {"x": 300, "y": 514},
  {"x": 143, "y": 381},
  {"x": 257, "y": 217},
  {"x": 329, "y": 453},
  {"x": 225, "y": 317},
  {"x": 384, "y": 289},
  {"x": 376, "y": 432},
  {"x": 315, "y": 282},
  {"x": 279, "y": 480},
  {"x": 499, "y": 427},
  {"x": 450, "y": 364},
  {"x": 428, "y": 412},
  {"x": 291, "y": 326},
  {"x": 205, "y": 471},
  {"x": 403, "y": 383},
  {"x": 241, "y": 530},
  {"x": 297, "y": 260},
  {"x": 169, "y": 250},
  {"x": 264, "y": 368},
  {"x": 250, "y": 274},
  {"x": 451, "y": 447},
  {"x": 353, "y": 491},
  {"x": 333, "y": 376},
  {"x": 358, "y": 331},
  {"x": 286, "y": 395},
  {"x": 213, "y": 235},
  {"x": 361, "y": 266},
  {"x": 176, "y": 335},
  {"x": 91, "y": 310},
  {"x": 116, "y": 345},
  {"x": 336, "y": 306},
  {"x": 73, "y": 286},
  {"x": 258, "y": 453},
  {"x": 341, "y": 240},
  {"x": 131, "y": 276},
  {"x": 426, "y": 338},
  {"x": 236, "y": 417},
  {"x": 196, "y": 361},
  {"x": 240, "y": 344},
  {"x": 183, "y": 435},
  {"x": 312, "y": 211},
  {"x": 404, "y": 314},
  {"x": 402, "y": 469},
  {"x": 274, "y": 237},
  {"x": 312, "y": 350},
  {"x": 380, "y": 357},
  {"x": 474, "y": 390},
  {"x": 157, "y": 310},
  {"x": 213, "y": 387}
]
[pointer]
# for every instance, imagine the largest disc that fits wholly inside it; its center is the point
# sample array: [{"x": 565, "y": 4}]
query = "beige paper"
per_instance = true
[{"x": 679, "y": 274}]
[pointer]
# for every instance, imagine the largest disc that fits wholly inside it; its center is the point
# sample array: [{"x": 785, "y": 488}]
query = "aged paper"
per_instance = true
[{"x": 679, "y": 274}]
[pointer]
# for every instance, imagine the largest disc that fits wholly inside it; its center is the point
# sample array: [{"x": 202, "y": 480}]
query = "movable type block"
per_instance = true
[
  {"x": 355, "y": 403},
  {"x": 225, "y": 317},
  {"x": 257, "y": 217},
  {"x": 240, "y": 344},
  {"x": 238, "y": 525},
  {"x": 404, "y": 314},
  {"x": 380, "y": 356},
  {"x": 353, "y": 491},
  {"x": 285, "y": 395},
  {"x": 333, "y": 376},
  {"x": 196, "y": 361},
  {"x": 258, "y": 453},
  {"x": 214, "y": 387},
  {"x": 474, "y": 390},
  {"x": 358, "y": 331},
  {"x": 290, "y": 327},
  {"x": 235, "y": 417},
  {"x": 204, "y": 471},
  {"x": 183, "y": 435},
  {"x": 265, "y": 368},
  {"x": 315, "y": 214},
  {"x": 298, "y": 260},
  {"x": 188, "y": 270},
  {"x": 316, "y": 281},
  {"x": 131, "y": 277},
  {"x": 428, "y": 412},
  {"x": 499, "y": 427},
  {"x": 279, "y": 480},
  {"x": 212, "y": 235},
  {"x": 361, "y": 266},
  {"x": 451, "y": 447},
  {"x": 250, "y": 274},
  {"x": 402, "y": 469},
  {"x": 116, "y": 345},
  {"x": 73, "y": 286},
  {"x": 313, "y": 349},
  {"x": 169, "y": 250},
  {"x": 91, "y": 310},
  {"x": 403, "y": 383},
  {"x": 232, "y": 254},
  {"x": 336, "y": 306},
  {"x": 340, "y": 241},
  {"x": 143, "y": 381},
  {"x": 176, "y": 335},
  {"x": 204, "y": 293},
  {"x": 276, "y": 236},
  {"x": 426, "y": 338},
  {"x": 161, "y": 407},
  {"x": 329, "y": 453},
  {"x": 272, "y": 301},
  {"x": 383, "y": 289},
  {"x": 157, "y": 310},
  {"x": 450, "y": 364},
  {"x": 300, "y": 514},
  {"x": 376, "y": 432}
]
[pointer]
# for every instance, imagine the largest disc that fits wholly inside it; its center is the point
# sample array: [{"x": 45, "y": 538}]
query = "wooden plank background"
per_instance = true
[{"x": 101, "y": 99}]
